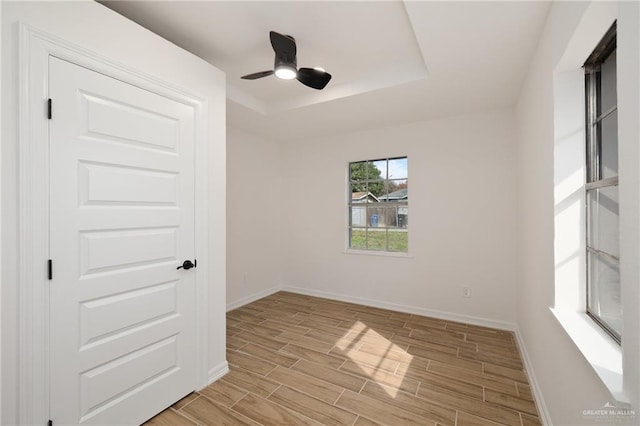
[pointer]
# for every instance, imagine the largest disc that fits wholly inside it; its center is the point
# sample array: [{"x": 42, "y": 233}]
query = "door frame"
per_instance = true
[{"x": 35, "y": 48}]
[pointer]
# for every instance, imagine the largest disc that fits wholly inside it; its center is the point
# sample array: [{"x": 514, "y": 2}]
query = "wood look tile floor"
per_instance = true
[{"x": 302, "y": 360}]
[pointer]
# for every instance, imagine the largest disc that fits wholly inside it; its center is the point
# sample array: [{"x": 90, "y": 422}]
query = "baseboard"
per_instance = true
[
  {"x": 252, "y": 298},
  {"x": 416, "y": 310},
  {"x": 217, "y": 372},
  {"x": 545, "y": 418}
]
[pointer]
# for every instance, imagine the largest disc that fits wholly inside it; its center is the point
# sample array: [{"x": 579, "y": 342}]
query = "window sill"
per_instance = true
[
  {"x": 378, "y": 253},
  {"x": 600, "y": 350}
]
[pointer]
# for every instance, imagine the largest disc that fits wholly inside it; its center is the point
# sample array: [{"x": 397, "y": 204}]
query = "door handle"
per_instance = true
[{"x": 187, "y": 264}]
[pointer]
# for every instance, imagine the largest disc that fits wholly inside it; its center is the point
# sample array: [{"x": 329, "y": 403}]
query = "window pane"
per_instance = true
[
  {"x": 608, "y": 136},
  {"x": 403, "y": 217},
  {"x": 358, "y": 216},
  {"x": 604, "y": 291},
  {"x": 376, "y": 216},
  {"x": 608, "y": 96},
  {"x": 398, "y": 240},
  {"x": 358, "y": 238},
  {"x": 397, "y": 217},
  {"x": 398, "y": 168},
  {"x": 604, "y": 220},
  {"x": 376, "y": 188},
  {"x": 390, "y": 217},
  {"x": 378, "y": 170},
  {"x": 395, "y": 191},
  {"x": 360, "y": 193},
  {"x": 357, "y": 171},
  {"x": 377, "y": 239}
]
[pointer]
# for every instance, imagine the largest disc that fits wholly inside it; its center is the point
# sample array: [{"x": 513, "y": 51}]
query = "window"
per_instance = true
[
  {"x": 378, "y": 204},
  {"x": 604, "y": 304}
]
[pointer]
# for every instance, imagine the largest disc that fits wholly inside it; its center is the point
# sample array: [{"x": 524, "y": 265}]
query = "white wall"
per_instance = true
[
  {"x": 629, "y": 152},
  {"x": 98, "y": 29},
  {"x": 1, "y": 328},
  {"x": 462, "y": 195},
  {"x": 254, "y": 188},
  {"x": 568, "y": 383}
]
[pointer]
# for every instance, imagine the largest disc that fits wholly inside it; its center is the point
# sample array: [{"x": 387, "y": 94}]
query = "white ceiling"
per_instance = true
[{"x": 392, "y": 61}]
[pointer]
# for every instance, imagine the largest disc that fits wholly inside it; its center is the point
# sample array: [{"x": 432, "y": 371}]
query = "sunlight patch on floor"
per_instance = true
[{"x": 381, "y": 373}]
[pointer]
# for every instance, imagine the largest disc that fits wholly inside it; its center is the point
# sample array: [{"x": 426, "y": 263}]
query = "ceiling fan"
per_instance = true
[{"x": 285, "y": 66}]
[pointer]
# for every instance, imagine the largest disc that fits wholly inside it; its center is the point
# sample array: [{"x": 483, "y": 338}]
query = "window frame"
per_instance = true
[
  {"x": 594, "y": 179},
  {"x": 386, "y": 250}
]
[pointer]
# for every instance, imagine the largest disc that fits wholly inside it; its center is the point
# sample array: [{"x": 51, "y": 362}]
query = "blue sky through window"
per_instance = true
[{"x": 397, "y": 168}]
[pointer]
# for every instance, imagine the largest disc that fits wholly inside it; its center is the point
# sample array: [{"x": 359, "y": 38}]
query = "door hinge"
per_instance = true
[
  {"x": 50, "y": 269},
  {"x": 49, "y": 109}
]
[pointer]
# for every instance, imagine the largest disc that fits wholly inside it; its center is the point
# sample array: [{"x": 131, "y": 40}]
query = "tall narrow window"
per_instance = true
[
  {"x": 378, "y": 205},
  {"x": 604, "y": 303}
]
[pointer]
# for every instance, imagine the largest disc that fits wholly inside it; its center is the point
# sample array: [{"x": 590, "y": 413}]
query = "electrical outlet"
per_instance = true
[{"x": 466, "y": 292}]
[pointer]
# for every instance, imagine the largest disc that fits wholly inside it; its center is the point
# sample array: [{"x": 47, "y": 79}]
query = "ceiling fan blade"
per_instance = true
[
  {"x": 284, "y": 46},
  {"x": 257, "y": 75},
  {"x": 313, "y": 78}
]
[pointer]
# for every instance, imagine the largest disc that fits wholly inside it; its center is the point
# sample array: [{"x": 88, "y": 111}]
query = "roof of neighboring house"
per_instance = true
[
  {"x": 400, "y": 194},
  {"x": 356, "y": 196}
]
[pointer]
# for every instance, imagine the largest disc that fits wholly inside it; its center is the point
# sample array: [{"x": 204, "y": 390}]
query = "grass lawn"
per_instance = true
[{"x": 378, "y": 239}]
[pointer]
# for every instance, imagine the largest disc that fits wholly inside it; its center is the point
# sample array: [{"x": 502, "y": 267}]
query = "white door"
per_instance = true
[{"x": 122, "y": 343}]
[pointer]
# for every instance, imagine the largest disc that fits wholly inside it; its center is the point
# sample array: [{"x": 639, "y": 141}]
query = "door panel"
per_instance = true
[
  {"x": 114, "y": 250},
  {"x": 97, "y": 321},
  {"x": 107, "y": 184},
  {"x": 107, "y": 117},
  {"x": 105, "y": 383},
  {"x": 122, "y": 316}
]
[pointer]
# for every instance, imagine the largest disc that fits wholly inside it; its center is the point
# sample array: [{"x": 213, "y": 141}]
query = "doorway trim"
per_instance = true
[{"x": 35, "y": 48}]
